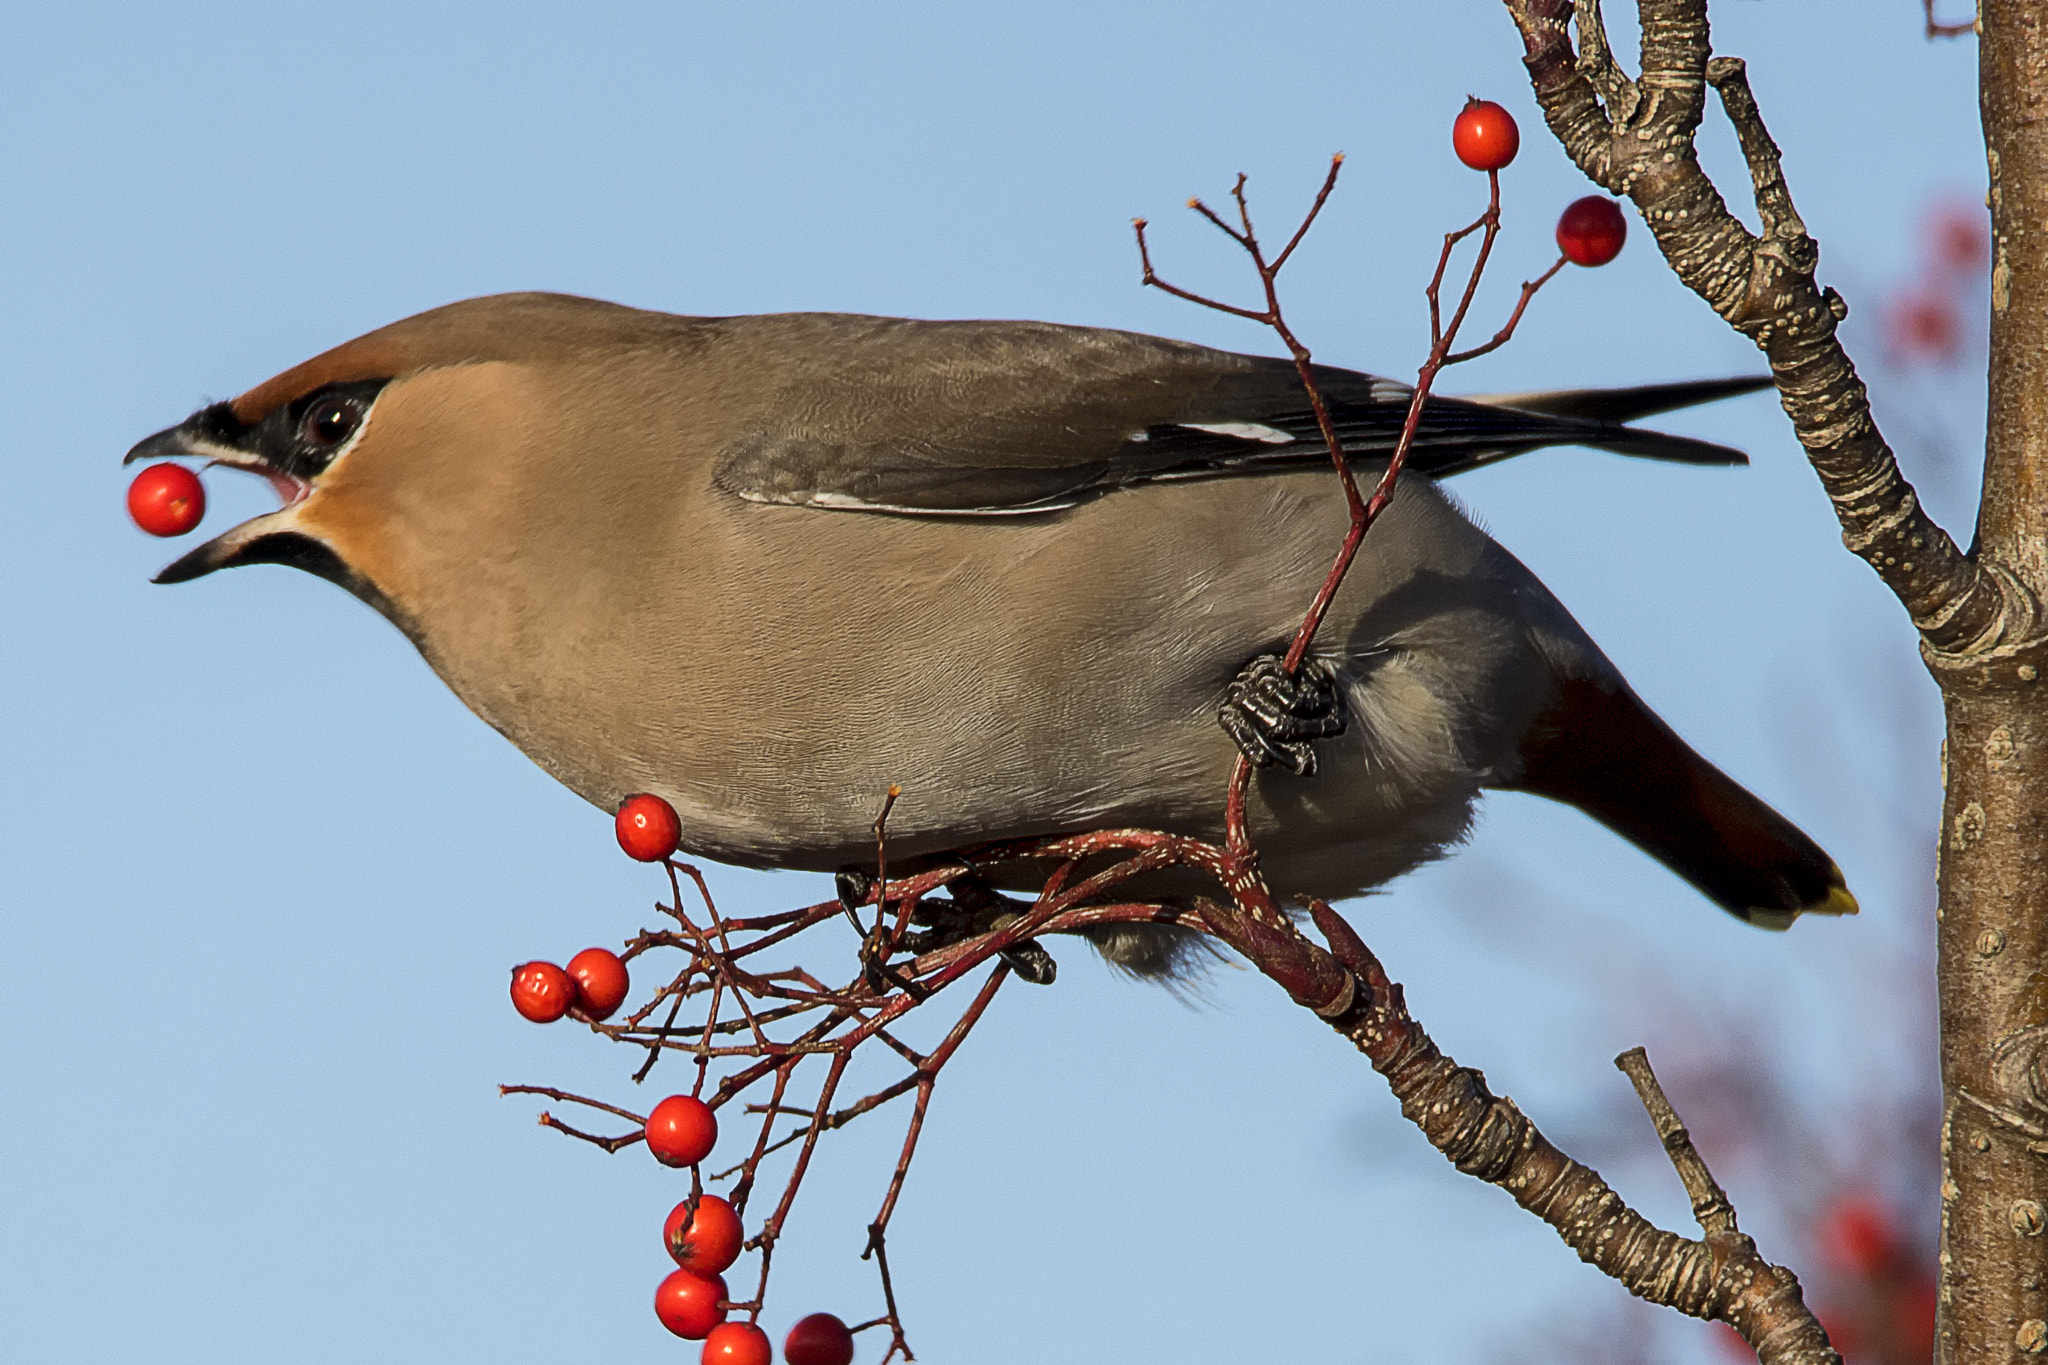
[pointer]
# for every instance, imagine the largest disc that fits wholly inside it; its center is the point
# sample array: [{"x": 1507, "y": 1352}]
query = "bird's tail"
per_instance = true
[
  {"x": 1627, "y": 405},
  {"x": 1605, "y": 411},
  {"x": 1600, "y": 749}
]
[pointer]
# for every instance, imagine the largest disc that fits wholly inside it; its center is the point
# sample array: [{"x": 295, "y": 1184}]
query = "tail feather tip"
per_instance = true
[{"x": 1839, "y": 900}]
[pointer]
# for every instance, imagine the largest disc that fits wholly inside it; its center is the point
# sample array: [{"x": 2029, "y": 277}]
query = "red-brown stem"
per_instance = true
[
  {"x": 1308, "y": 221},
  {"x": 773, "y": 1228},
  {"x": 882, "y": 852},
  {"x": 877, "y": 1244},
  {"x": 610, "y": 1144},
  {"x": 1432, "y": 291},
  {"x": 654, "y": 1047},
  {"x": 1237, "y": 838},
  {"x": 710, "y": 1025},
  {"x": 807, "y": 917},
  {"x": 901, "y": 1048},
  {"x": 567, "y": 1098},
  {"x": 1507, "y": 332},
  {"x": 740, "y": 1080},
  {"x": 927, "y": 1075},
  {"x": 752, "y": 1164}
]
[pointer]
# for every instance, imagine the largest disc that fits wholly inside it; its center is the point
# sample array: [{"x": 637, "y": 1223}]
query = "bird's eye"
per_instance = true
[{"x": 331, "y": 421}]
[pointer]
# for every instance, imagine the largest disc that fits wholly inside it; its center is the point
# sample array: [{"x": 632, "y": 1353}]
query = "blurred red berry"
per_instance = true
[
  {"x": 1841, "y": 1330},
  {"x": 648, "y": 828},
  {"x": 1590, "y": 231},
  {"x": 688, "y": 1304},
  {"x": 1913, "y": 1310},
  {"x": 1959, "y": 238},
  {"x": 820, "y": 1339},
  {"x": 1858, "y": 1236},
  {"x": 601, "y": 981},
  {"x": 542, "y": 991},
  {"x": 1484, "y": 135},
  {"x": 681, "y": 1131},
  {"x": 167, "y": 500},
  {"x": 737, "y": 1343},
  {"x": 1924, "y": 327},
  {"x": 710, "y": 1242}
]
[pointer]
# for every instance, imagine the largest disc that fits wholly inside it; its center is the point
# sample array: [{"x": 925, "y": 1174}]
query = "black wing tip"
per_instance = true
[
  {"x": 1659, "y": 445},
  {"x": 1629, "y": 404}
]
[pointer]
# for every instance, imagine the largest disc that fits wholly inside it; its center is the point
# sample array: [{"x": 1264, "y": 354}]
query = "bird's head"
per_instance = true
[
  {"x": 293, "y": 430},
  {"x": 359, "y": 441}
]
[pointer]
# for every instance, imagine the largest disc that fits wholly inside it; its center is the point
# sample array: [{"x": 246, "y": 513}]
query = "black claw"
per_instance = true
[
  {"x": 1275, "y": 717},
  {"x": 854, "y": 887},
  {"x": 1031, "y": 963}
]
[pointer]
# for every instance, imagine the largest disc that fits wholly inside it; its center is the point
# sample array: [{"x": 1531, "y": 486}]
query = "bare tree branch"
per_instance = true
[
  {"x": 1979, "y": 614},
  {"x": 1635, "y": 138}
]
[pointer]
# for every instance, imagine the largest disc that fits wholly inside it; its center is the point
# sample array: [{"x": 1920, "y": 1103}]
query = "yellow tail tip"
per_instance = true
[{"x": 1839, "y": 902}]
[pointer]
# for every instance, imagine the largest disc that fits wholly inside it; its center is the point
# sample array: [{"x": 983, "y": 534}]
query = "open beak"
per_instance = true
[{"x": 240, "y": 545}]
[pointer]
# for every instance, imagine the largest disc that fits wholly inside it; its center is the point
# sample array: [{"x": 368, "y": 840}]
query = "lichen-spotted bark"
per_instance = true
[
  {"x": 1994, "y": 1021},
  {"x": 1978, "y": 613},
  {"x": 1722, "y": 1276}
]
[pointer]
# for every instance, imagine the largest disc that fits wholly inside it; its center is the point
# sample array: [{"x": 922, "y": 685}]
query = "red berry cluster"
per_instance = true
[
  {"x": 704, "y": 1236},
  {"x": 595, "y": 982},
  {"x": 1589, "y": 232}
]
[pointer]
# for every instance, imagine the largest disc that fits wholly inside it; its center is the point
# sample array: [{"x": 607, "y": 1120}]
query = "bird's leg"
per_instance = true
[
  {"x": 854, "y": 886},
  {"x": 978, "y": 908},
  {"x": 1276, "y": 717}
]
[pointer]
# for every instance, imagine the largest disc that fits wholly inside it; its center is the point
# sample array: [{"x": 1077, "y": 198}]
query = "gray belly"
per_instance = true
[{"x": 1029, "y": 676}]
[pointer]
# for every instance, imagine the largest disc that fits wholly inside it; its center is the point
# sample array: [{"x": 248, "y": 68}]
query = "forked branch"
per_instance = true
[{"x": 1635, "y": 137}]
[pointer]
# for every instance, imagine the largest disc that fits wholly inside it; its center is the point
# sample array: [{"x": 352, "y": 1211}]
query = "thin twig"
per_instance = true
[
  {"x": 1710, "y": 1206},
  {"x": 1936, "y": 29}
]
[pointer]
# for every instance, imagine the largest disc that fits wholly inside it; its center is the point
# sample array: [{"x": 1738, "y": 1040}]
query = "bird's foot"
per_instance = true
[
  {"x": 977, "y": 908},
  {"x": 1277, "y": 717}
]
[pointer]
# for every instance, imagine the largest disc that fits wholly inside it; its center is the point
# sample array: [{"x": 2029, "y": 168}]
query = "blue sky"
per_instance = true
[{"x": 265, "y": 875}]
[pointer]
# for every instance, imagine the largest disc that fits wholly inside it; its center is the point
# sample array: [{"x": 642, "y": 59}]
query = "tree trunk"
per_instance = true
[{"x": 1994, "y": 835}]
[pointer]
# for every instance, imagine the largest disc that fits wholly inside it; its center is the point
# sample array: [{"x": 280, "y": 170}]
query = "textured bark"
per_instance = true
[
  {"x": 1721, "y": 1276},
  {"x": 1994, "y": 866},
  {"x": 1978, "y": 613},
  {"x": 1635, "y": 137}
]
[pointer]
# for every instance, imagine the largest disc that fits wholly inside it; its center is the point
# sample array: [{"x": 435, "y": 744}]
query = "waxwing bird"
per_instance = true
[{"x": 766, "y": 567}]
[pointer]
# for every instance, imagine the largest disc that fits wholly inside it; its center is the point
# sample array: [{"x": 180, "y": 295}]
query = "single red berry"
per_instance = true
[
  {"x": 707, "y": 1243},
  {"x": 542, "y": 991},
  {"x": 681, "y": 1131},
  {"x": 601, "y": 981},
  {"x": 688, "y": 1304},
  {"x": 167, "y": 500},
  {"x": 1484, "y": 135},
  {"x": 649, "y": 828},
  {"x": 1590, "y": 231},
  {"x": 1859, "y": 1236},
  {"x": 1960, "y": 235},
  {"x": 819, "y": 1339},
  {"x": 737, "y": 1343},
  {"x": 1924, "y": 326}
]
